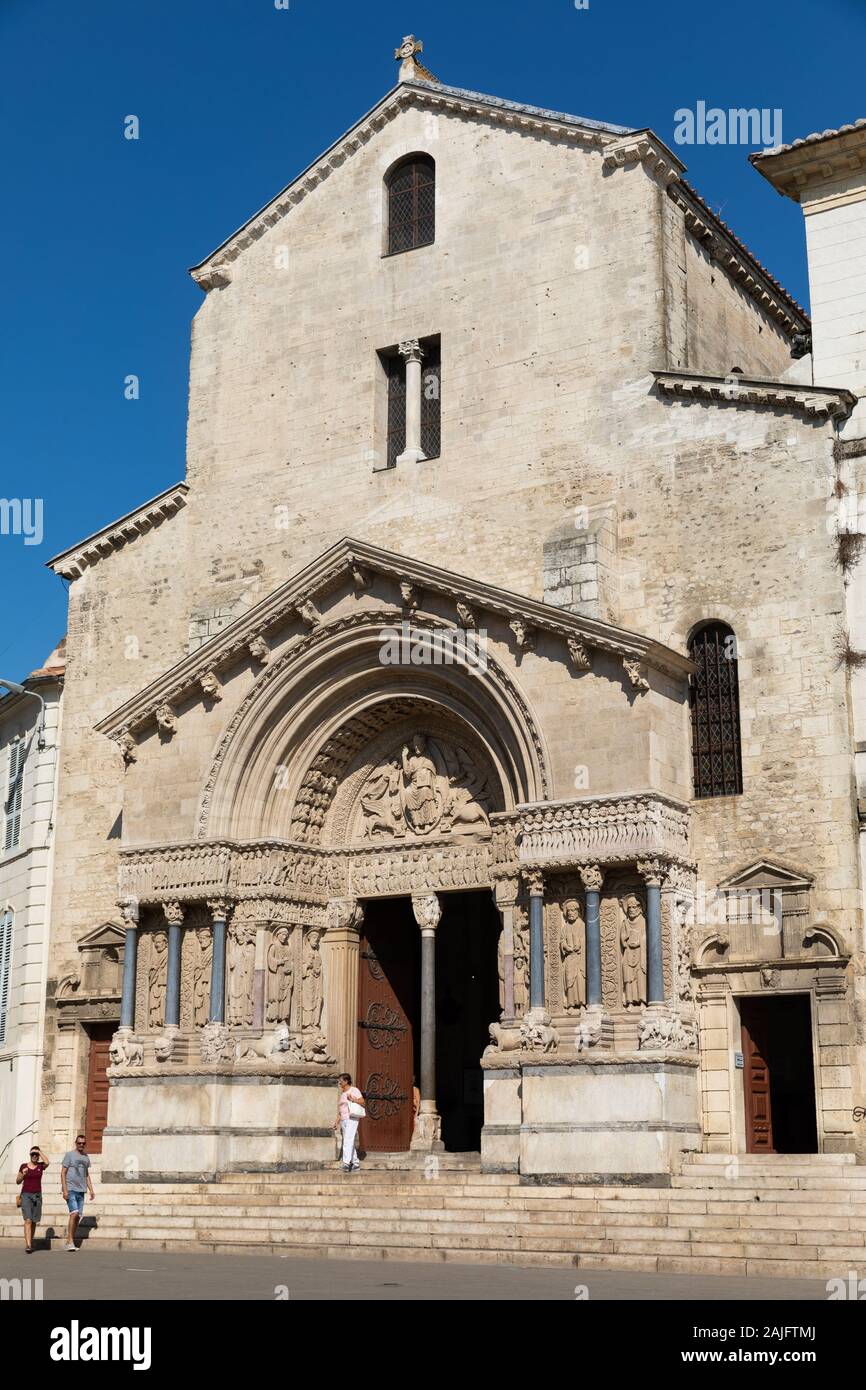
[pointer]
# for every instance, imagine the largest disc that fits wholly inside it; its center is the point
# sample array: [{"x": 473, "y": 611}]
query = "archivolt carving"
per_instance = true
[{"x": 495, "y": 678}]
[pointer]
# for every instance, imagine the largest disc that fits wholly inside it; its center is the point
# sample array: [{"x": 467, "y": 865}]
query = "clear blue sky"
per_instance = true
[{"x": 235, "y": 97}]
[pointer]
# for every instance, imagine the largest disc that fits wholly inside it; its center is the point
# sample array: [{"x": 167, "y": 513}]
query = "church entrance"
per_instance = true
[
  {"x": 389, "y": 1018},
  {"x": 778, "y": 1075}
]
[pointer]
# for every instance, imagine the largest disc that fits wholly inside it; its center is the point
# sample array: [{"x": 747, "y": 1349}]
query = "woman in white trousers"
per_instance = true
[{"x": 348, "y": 1126}]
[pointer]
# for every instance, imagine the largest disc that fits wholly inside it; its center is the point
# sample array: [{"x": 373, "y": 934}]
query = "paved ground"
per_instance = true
[{"x": 92, "y": 1274}]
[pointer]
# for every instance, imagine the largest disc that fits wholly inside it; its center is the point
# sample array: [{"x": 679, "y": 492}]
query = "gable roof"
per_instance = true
[
  {"x": 72, "y": 563},
  {"x": 212, "y": 272},
  {"x": 354, "y": 559}
]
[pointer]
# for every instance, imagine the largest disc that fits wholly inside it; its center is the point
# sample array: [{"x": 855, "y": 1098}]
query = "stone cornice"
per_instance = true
[
  {"x": 645, "y": 148},
  {"x": 215, "y": 271},
  {"x": 72, "y": 563},
  {"x": 296, "y": 601},
  {"x": 819, "y": 402},
  {"x": 821, "y": 158}
]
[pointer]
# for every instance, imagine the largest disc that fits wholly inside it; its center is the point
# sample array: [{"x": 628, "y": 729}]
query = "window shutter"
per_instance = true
[
  {"x": 5, "y": 966},
  {"x": 13, "y": 796}
]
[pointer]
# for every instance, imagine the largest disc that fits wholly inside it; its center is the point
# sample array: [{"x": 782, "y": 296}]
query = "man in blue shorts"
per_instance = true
[{"x": 75, "y": 1181}]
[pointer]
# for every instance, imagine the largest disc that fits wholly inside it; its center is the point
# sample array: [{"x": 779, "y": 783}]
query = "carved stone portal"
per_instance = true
[{"x": 427, "y": 786}]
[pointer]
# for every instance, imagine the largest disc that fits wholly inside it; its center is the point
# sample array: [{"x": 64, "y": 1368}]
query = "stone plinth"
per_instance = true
[{"x": 196, "y": 1126}]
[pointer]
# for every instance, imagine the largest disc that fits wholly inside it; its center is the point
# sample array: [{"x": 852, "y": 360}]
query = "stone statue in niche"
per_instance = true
[
  {"x": 281, "y": 977},
  {"x": 633, "y": 945},
  {"x": 157, "y": 976},
  {"x": 312, "y": 997},
  {"x": 571, "y": 949},
  {"x": 201, "y": 972},
  {"x": 500, "y": 968},
  {"x": 242, "y": 964},
  {"x": 430, "y": 786},
  {"x": 521, "y": 963}
]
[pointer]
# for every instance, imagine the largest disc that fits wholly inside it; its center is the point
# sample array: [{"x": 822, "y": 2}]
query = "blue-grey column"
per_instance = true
[
  {"x": 428, "y": 1125},
  {"x": 536, "y": 940},
  {"x": 174, "y": 917},
  {"x": 220, "y": 911},
  {"x": 592, "y": 880},
  {"x": 653, "y": 873},
  {"x": 130, "y": 959}
]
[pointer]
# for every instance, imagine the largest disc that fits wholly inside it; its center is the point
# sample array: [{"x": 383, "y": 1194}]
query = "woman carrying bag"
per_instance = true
[
  {"x": 29, "y": 1199},
  {"x": 350, "y": 1113}
]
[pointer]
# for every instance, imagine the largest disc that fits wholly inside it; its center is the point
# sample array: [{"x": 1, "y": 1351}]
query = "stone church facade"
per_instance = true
[{"x": 472, "y": 718}]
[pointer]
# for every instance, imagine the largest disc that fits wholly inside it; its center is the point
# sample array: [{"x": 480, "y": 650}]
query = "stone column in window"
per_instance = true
[{"x": 413, "y": 355}]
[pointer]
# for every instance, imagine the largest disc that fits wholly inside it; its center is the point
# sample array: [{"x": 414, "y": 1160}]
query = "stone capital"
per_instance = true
[
  {"x": 652, "y": 871},
  {"x": 411, "y": 350},
  {"x": 344, "y": 914},
  {"x": 591, "y": 876},
  {"x": 129, "y": 910},
  {"x": 428, "y": 911},
  {"x": 534, "y": 880},
  {"x": 220, "y": 908},
  {"x": 173, "y": 913},
  {"x": 505, "y": 892}
]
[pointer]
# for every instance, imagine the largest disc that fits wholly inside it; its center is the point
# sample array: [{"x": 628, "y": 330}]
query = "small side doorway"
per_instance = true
[
  {"x": 96, "y": 1117},
  {"x": 778, "y": 1075}
]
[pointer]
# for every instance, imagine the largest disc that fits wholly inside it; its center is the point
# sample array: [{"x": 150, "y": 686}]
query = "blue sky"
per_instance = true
[{"x": 234, "y": 98}]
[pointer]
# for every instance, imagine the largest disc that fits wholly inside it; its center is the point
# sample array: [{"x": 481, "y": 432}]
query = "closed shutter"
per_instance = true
[
  {"x": 13, "y": 794},
  {"x": 5, "y": 967}
]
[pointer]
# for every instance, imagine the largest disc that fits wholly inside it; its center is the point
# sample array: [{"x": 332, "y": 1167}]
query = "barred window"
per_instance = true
[
  {"x": 715, "y": 709},
  {"x": 431, "y": 402},
  {"x": 431, "y": 389},
  {"x": 13, "y": 795},
  {"x": 411, "y": 204},
  {"x": 396, "y": 408}
]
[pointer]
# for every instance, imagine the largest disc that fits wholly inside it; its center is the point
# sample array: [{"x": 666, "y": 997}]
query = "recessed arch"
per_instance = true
[{"x": 329, "y": 688}]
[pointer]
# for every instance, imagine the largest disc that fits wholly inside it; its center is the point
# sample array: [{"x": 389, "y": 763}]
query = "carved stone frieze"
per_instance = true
[
  {"x": 430, "y": 786},
  {"x": 615, "y": 829}
]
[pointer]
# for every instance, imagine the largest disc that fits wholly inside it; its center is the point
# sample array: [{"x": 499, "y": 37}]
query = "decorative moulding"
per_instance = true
[
  {"x": 819, "y": 402},
  {"x": 72, "y": 563}
]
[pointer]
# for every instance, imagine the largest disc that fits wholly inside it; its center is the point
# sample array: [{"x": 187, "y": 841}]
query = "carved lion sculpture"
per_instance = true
[{"x": 125, "y": 1051}]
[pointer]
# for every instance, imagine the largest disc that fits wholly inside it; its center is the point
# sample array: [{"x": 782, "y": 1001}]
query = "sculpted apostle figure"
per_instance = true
[
  {"x": 201, "y": 972},
  {"x": 419, "y": 773},
  {"x": 311, "y": 982},
  {"x": 281, "y": 977},
  {"x": 521, "y": 964},
  {"x": 571, "y": 951},
  {"x": 633, "y": 943},
  {"x": 242, "y": 966},
  {"x": 156, "y": 979}
]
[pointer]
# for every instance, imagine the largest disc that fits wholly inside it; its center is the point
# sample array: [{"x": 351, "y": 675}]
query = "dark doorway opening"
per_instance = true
[
  {"x": 779, "y": 1075},
  {"x": 96, "y": 1114},
  {"x": 389, "y": 1018}
]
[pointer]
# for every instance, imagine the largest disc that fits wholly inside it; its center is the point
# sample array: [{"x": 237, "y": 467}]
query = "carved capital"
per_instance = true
[
  {"x": 344, "y": 914},
  {"x": 591, "y": 877},
  {"x": 652, "y": 871},
  {"x": 534, "y": 880},
  {"x": 411, "y": 351},
  {"x": 505, "y": 891},
  {"x": 220, "y": 908},
  {"x": 428, "y": 910},
  {"x": 129, "y": 911},
  {"x": 173, "y": 912}
]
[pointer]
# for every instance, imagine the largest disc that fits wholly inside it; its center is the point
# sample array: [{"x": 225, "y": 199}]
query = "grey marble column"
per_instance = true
[
  {"x": 129, "y": 910},
  {"x": 654, "y": 872},
  {"x": 412, "y": 354},
  {"x": 174, "y": 917},
  {"x": 535, "y": 883},
  {"x": 592, "y": 878},
  {"x": 427, "y": 1133},
  {"x": 220, "y": 909}
]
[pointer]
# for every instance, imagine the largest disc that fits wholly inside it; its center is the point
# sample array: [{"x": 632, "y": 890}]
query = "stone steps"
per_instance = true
[{"x": 798, "y": 1218}]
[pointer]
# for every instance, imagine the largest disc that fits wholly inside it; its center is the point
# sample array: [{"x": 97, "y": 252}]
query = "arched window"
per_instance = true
[
  {"x": 715, "y": 704},
  {"x": 411, "y": 189}
]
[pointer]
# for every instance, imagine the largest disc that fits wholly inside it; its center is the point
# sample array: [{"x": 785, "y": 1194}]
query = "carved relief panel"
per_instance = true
[
  {"x": 623, "y": 945},
  {"x": 428, "y": 785},
  {"x": 281, "y": 973},
  {"x": 240, "y": 976},
  {"x": 195, "y": 969}
]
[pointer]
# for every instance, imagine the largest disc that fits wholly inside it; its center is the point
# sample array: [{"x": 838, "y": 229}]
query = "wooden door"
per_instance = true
[
  {"x": 97, "y": 1087},
  {"x": 756, "y": 1077},
  {"x": 387, "y": 986}
]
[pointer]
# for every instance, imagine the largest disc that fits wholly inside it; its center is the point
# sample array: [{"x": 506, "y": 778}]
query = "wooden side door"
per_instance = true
[
  {"x": 386, "y": 989},
  {"x": 97, "y": 1087},
  {"x": 756, "y": 1077}
]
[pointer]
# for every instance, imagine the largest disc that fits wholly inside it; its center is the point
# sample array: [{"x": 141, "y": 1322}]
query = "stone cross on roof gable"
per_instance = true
[{"x": 409, "y": 66}]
